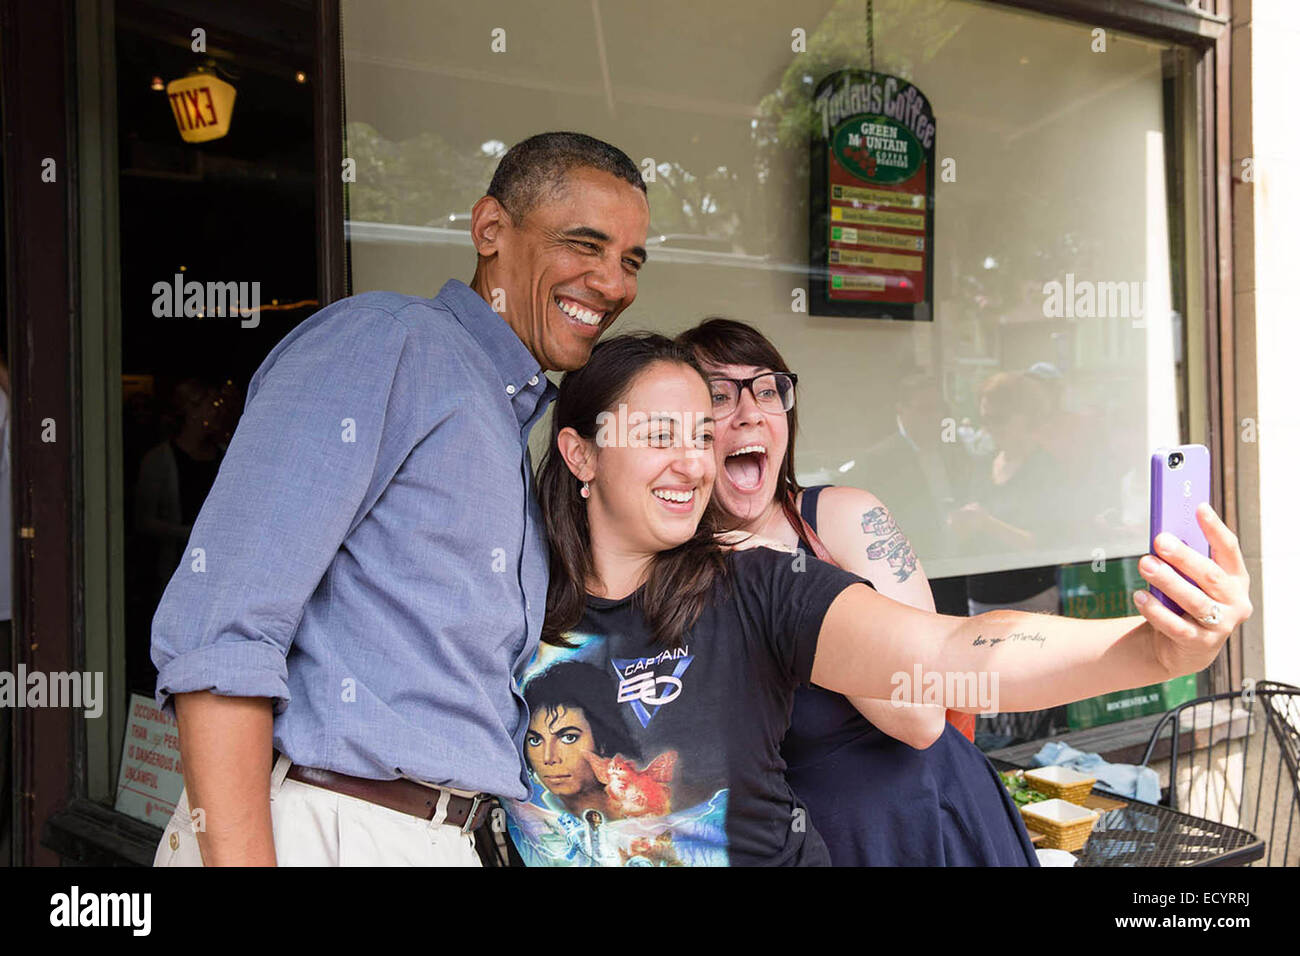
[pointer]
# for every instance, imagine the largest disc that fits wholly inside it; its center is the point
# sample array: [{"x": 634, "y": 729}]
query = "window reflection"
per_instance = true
[{"x": 236, "y": 215}]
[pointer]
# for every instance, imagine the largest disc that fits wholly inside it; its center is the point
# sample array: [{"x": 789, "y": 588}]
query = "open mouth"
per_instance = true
[
  {"x": 746, "y": 467},
  {"x": 579, "y": 312},
  {"x": 680, "y": 500}
]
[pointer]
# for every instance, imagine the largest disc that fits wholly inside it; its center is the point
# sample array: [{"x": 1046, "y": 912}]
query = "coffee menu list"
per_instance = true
[{"x": 872, "y": 198}]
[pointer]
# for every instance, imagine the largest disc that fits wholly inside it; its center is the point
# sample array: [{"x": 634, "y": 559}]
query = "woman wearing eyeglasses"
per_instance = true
[{"x": 884, "y": 785}]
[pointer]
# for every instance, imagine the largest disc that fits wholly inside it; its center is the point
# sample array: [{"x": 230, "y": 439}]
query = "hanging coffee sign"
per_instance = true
[{"x": 872, "y": 198}]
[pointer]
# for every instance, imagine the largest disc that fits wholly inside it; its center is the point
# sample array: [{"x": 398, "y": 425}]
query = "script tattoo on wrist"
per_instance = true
[
  {"x": 1015, "y": 637},
  {"x": 890, "y": 543}
]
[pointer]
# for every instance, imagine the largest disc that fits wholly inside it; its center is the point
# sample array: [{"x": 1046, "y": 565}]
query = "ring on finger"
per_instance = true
[{"x": 1212, "y": 617}]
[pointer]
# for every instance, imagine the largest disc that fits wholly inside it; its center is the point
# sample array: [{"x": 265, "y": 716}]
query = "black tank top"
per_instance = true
[{"x": 808, "y": 505}]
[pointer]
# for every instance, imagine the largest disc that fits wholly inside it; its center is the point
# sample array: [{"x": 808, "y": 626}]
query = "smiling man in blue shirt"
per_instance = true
[{"x": 369, "y": 568}]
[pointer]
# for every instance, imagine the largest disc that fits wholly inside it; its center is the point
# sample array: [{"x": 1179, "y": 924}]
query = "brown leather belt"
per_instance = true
[{"x": 405, "y": 796}]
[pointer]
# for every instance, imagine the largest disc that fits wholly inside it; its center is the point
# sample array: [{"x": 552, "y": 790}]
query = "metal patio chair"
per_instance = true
[
  {"x": 1234, "y": 758},
  {"x": 1010, "y": 729}
]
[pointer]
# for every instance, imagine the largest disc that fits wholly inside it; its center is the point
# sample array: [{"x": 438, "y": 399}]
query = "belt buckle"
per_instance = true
[{"x": 468, "y": 825}]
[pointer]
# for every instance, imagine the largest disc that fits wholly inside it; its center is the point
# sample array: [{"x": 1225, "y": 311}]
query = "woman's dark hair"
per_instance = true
[
  {"x": 575, "y": 684},
  {"x": 680, "y": 580},
  {"x": 720, "y": 341}
]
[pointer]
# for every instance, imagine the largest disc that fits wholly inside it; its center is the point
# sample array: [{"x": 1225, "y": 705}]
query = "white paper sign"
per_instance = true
[{"x": 149, "y": 781}]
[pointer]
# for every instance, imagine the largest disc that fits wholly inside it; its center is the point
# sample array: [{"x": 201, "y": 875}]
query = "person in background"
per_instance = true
[
  {"x": 1066, "y": 416},
  {"x": 1014, "y": 509},
  {"x": 176, "y": 475},
  {"x": 922, "y": 478},
  {"x": 1014, "y": 501},
  {"x": 931, "y": 464},
  {"x": 884, "y": 785}
]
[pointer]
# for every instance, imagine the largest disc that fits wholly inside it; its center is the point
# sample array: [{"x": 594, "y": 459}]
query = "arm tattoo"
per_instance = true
[
  {"x": 889, "y": 543},
  {"x": 1038, "y": 637}
]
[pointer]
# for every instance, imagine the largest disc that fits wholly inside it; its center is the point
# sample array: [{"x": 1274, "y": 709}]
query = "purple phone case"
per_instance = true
[{"x": 1175, "y": 493}]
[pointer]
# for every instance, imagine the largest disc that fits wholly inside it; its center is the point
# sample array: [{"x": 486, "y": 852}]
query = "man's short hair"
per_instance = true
[{"x": 536, "y": 167}]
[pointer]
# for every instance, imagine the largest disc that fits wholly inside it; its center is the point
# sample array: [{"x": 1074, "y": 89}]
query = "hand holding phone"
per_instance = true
[
  {"x": 1180, "y": 480},
  {"x": 1215, "y": 591}
]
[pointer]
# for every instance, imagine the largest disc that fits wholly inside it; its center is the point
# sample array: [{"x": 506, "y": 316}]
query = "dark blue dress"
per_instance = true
[{"x": 878, "y": 802}]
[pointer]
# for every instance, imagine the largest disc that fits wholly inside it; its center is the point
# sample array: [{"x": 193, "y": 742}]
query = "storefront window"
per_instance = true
[
  {"x": 217, "y": 198},
  {"x": 1009, "y": 429}
]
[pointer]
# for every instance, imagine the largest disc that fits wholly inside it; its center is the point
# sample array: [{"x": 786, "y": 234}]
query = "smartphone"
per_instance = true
[{"x": 1180, "y": 481}]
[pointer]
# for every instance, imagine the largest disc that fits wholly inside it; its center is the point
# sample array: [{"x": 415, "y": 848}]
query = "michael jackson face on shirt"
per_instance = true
[{"x": 574, "y": 713}]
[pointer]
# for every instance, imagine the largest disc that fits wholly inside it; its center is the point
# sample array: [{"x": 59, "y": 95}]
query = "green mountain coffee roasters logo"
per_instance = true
[{"x": 877, "y": 149}]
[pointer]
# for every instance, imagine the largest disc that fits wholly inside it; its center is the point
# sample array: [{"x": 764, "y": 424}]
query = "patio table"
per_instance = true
[{"x": 1133, "y": 833}]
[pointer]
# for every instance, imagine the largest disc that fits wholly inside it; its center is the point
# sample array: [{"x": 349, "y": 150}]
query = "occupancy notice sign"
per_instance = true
[
  {"x": 149, "y": 782},
  {"x": 872, "y": 198}
]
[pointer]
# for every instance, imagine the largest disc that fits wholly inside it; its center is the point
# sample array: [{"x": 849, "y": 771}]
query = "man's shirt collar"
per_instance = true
[{"x": 521, "y": 375}]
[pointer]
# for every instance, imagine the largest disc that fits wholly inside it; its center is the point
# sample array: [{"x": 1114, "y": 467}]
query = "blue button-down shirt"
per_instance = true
[{"x": 371, "y": 555}]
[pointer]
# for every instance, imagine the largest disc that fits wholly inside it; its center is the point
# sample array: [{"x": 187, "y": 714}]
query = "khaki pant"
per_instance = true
[{"x": 316, "y": 827}]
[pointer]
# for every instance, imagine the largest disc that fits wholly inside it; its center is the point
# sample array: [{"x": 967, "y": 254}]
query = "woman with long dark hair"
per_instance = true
[
  {"x": 705, "y": 647},
  {"x": 884, "y": 785}
]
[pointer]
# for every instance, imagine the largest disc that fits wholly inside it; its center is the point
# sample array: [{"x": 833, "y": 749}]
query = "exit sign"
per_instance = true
[{"x": 202, "y": 105}]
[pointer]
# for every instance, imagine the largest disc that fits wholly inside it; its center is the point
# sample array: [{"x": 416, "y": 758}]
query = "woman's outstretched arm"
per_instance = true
[{"x": 872, "y": 646}]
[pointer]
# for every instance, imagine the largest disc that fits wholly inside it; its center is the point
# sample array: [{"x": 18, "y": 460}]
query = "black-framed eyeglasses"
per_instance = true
[{"x": 772, "y": 391}]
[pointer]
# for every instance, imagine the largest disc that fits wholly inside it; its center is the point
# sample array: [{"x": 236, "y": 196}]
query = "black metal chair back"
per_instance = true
[
  {"x": 1235, "y": 758},
  {"x": 1009, "y": 729}
]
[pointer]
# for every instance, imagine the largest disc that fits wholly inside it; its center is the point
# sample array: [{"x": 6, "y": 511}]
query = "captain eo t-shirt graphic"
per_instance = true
[
  {"x": 615, "y": 780},
  {"x": 643, "y": 685}
]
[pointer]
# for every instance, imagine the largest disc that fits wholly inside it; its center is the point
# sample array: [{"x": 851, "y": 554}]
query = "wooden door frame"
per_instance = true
[{"x": 40, "y": 234}]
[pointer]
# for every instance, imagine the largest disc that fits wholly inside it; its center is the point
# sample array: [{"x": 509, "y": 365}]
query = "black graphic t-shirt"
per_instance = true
[{"x": 642, "y": 755}]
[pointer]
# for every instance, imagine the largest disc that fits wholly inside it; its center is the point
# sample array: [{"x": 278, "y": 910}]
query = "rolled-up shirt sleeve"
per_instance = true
[{"x": 309, "y": 455}]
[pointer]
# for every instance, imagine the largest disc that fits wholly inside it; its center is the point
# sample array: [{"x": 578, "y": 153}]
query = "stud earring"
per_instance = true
[{"x": 586, "y": 489}]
